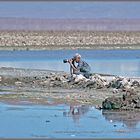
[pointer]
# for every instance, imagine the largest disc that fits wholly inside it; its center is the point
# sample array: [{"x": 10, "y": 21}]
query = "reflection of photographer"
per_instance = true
[
  {"x": 76, "y": 112},
  {"x": 81, "y": 68}
]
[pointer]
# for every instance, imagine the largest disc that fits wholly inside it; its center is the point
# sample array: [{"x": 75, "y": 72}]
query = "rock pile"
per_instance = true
[
  {"x": 54, "y": 80},
  {"x": 97, "y": 81},
  {"x": 64, "y": 80},
  {"x": 125, "y": 84}
]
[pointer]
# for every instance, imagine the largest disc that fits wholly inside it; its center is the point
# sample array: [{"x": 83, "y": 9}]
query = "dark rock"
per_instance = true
[
  {"x": 112, "y": 103},
  {"x": 135, "y": 83},
  {"x": 138, "y": 104},
  {"x": 127, "y": 101}
]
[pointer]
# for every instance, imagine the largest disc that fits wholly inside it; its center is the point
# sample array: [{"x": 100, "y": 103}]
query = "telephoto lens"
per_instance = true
[{"x": 65, "y": 61}]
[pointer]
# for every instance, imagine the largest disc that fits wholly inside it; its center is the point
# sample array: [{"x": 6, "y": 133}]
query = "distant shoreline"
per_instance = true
[
  {"x": 40, "y": 24},
  {"x": 58, "y": 40}
]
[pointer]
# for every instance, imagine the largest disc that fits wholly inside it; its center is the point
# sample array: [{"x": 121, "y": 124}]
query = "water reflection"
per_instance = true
[
  {"x": 129, "y": 118},
  {"x": 59, "y": 122},
  {"x": 76, "y": 112}
]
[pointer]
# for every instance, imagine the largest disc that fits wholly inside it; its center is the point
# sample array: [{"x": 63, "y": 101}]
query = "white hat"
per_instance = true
[{"x": 77, "y": 55}]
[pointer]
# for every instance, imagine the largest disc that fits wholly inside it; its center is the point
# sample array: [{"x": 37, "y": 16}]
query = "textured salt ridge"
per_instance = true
[{"x": 60, "y": 39}]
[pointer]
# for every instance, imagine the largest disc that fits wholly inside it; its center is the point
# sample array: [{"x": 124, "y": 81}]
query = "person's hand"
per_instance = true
[{"x": 70, "y": 61}]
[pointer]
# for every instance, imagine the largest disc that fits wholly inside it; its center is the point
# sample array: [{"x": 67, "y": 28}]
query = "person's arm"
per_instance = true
[{"x": 71, "y": 64}]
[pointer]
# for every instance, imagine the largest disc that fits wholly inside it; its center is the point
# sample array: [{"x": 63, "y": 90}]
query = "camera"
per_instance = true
[{"x": 65, "y": 61}]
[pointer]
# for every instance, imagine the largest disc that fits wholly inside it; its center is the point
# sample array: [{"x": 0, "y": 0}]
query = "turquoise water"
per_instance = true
[
  {"x": 117, "y": 62},
  {"x": 38, "y": 121}
]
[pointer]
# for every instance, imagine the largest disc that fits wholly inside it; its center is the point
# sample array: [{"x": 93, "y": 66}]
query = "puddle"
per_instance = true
[{"x": 63, "y": 121}]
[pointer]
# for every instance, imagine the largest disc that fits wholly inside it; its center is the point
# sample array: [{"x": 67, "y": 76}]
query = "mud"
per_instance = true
[{"x": 47, "y": 87}]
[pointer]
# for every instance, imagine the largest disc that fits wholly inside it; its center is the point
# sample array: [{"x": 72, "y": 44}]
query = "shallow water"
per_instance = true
[
  {"x": 29, "y": 121},
  {"x": 117, "y": 62}
]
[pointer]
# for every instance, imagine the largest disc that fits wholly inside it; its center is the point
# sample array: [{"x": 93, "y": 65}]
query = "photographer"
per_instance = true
[{"x": 81, "y": 68}]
